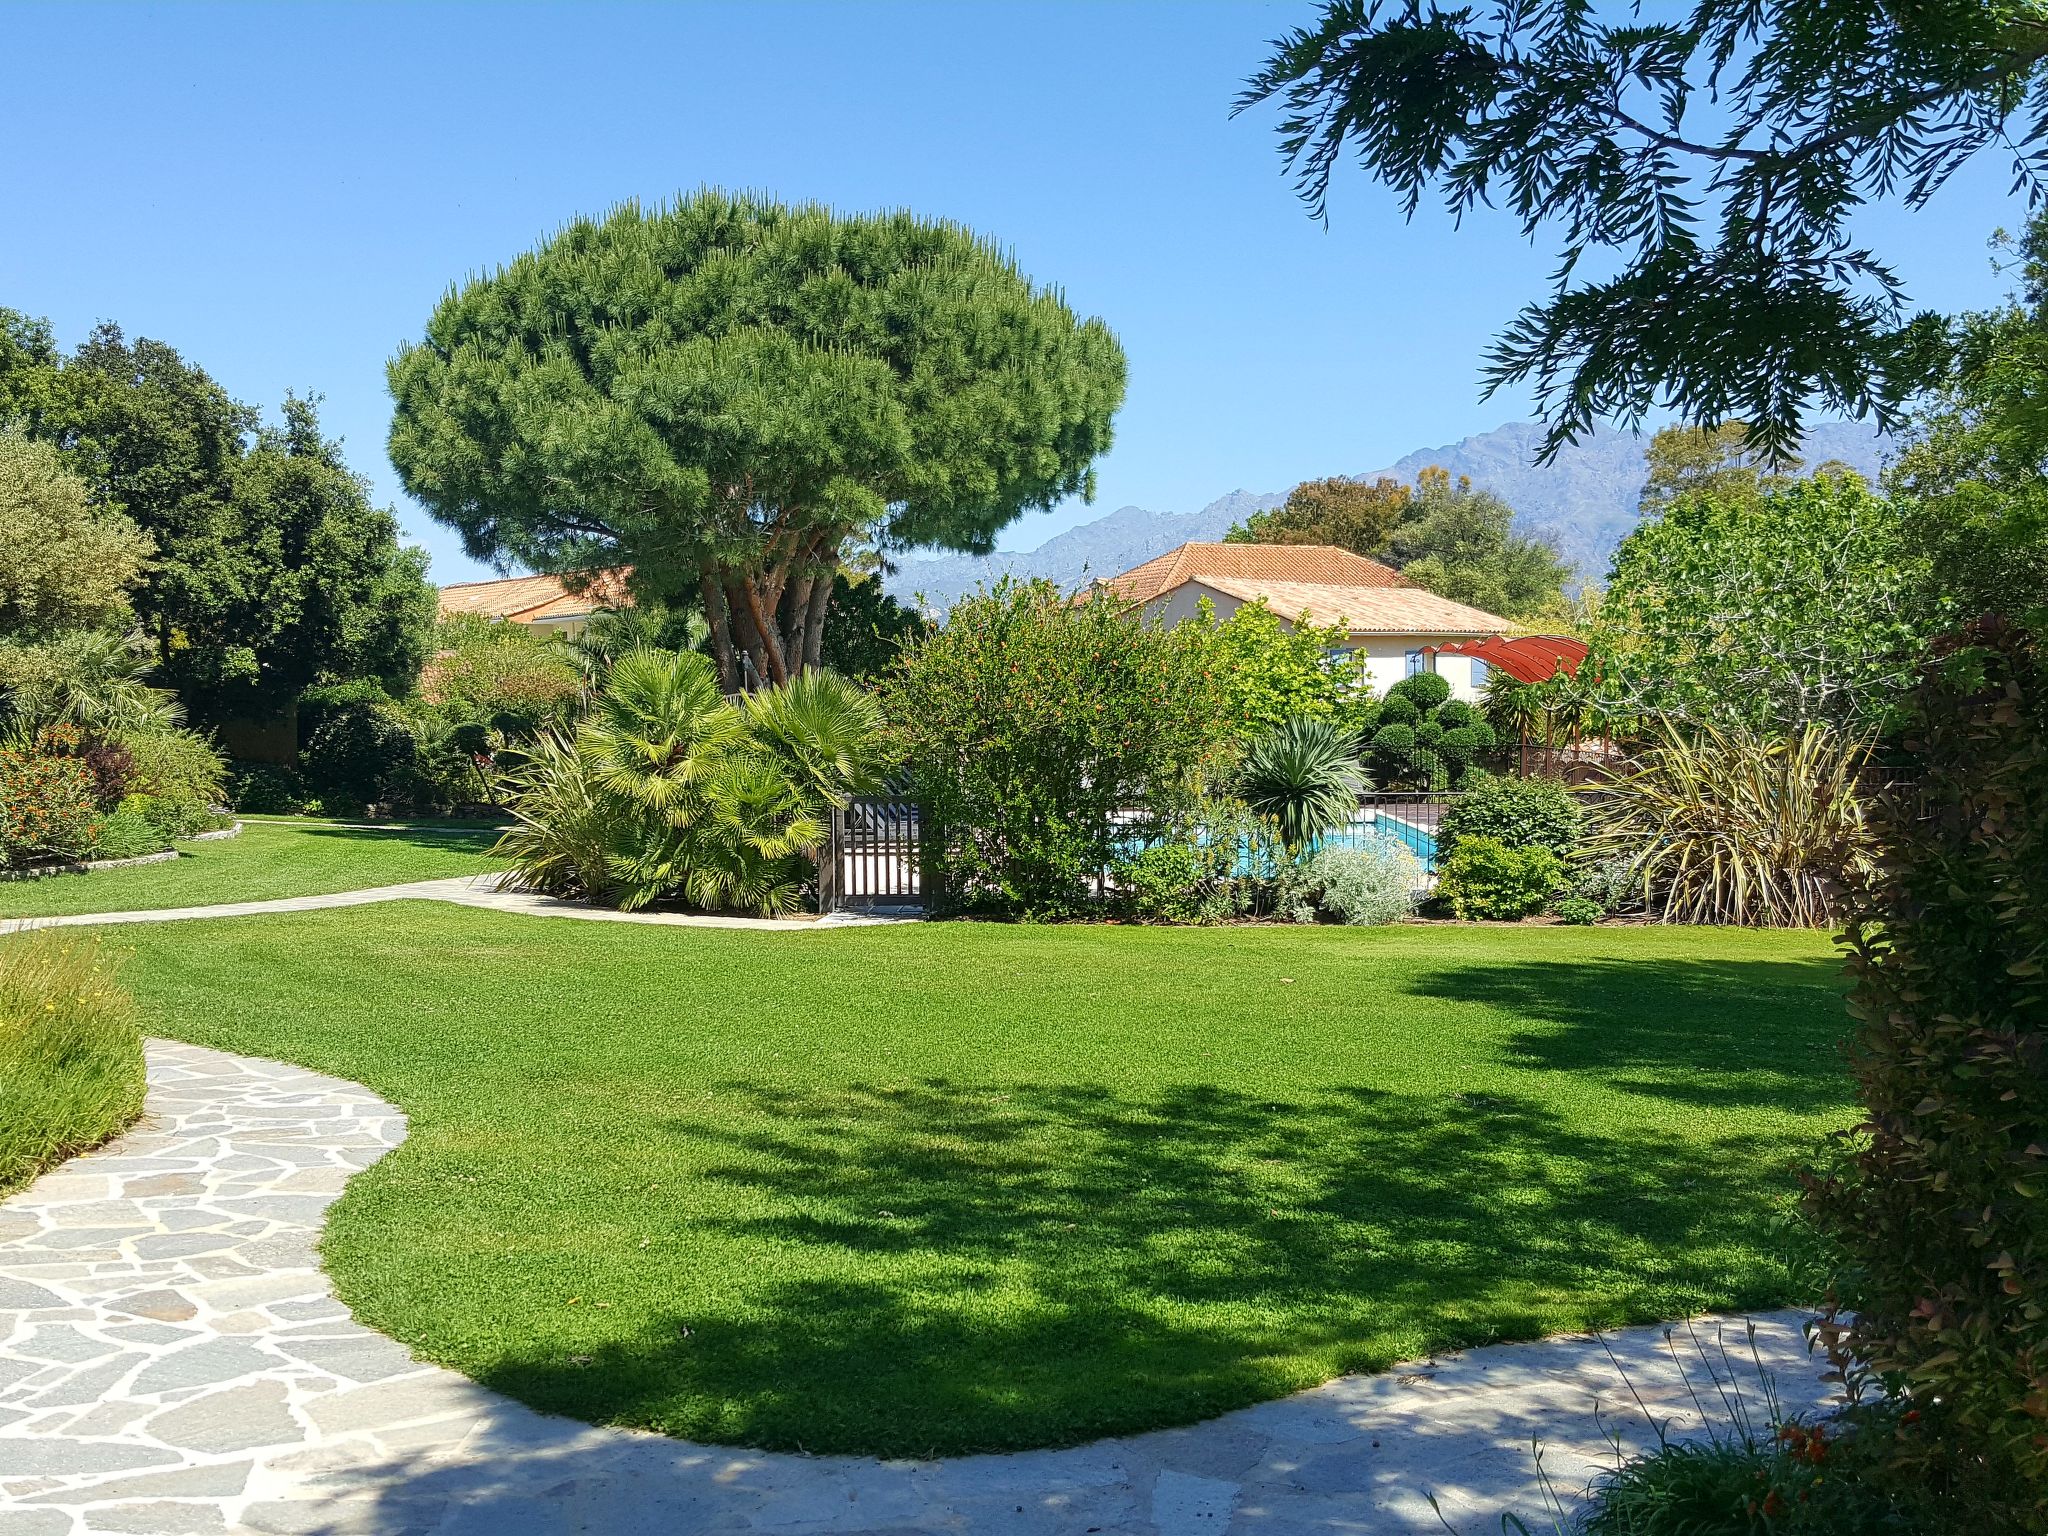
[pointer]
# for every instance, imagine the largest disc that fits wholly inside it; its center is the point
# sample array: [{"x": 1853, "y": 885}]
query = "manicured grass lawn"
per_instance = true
[
  {"x": 267, "y": 860},
  {"x": 941, "y": 1188}
]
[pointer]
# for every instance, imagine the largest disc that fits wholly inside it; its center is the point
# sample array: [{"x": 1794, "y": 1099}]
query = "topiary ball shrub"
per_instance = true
[
  {"x": 1425, "y": 690},
  {"x": 1484, "y": 879},
  {"x": 1517, "y": 812},
  {"x": 1453, "y": 713},
  {"x": 1398, "y": 709}
]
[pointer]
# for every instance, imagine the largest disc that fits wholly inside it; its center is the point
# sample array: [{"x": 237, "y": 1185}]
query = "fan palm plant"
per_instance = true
[
  {"x": 1731, "y": 825},
  {"x": 1301, "y": 777},
  {"x": 826, "y": 731},
  {"x": 88, "y": 678}
]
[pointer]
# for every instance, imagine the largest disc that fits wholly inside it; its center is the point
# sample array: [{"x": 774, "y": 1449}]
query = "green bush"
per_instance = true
[
  {"x": 70, "y": 1055},
  {"x": 360, "y": 754},
  {"x": 269, "y": 789},
  {"x": 1043, "y": 736},
  {"x": 128, "y": 833},
  {"x": 1822, "y": 1479},
  {"x": 1521, "y": 813},
  {"x": 1943, "y": 1218},
  {"x": 1425, "y": 690},
  {"x": 1483, "y": 878},
  {"x": 1165, "y": 884},
  {"x": 48, "y": 807},
  {"x": 503, "y": 675},
  {"x": 175, "y": 765},
  {"x": 1579, "y": 911},
  {"x": 1360, "y": 886},
  {"x": 175, "y": 816},
  {"x": 668, "y": 792}
]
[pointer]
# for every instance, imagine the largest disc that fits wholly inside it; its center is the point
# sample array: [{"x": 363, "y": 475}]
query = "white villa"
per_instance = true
[{"x": 1398, "y": 627}]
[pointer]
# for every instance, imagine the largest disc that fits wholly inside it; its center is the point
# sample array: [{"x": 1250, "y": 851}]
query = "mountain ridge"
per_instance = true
[{"x": 1583, "y": 502}]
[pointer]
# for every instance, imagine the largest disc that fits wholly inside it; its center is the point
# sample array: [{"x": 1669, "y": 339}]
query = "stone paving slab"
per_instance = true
[{"x": 173, "y": 1360}]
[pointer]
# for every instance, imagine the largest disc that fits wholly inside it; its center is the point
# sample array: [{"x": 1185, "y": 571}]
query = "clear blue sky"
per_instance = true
[{"x": 283, "y": 191}]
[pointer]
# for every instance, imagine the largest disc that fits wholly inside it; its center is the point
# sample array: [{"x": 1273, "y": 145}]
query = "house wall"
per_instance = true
[{"x": 1185, "y": 602}]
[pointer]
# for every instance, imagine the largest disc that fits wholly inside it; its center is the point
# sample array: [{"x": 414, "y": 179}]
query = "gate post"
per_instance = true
[{"x": 828, "y": 862}]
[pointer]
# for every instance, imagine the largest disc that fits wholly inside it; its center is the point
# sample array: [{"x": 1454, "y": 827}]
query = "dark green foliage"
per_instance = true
[
  {"x": 1944, "y": 1220},
  {"x": 361, "y": 754},
  {"x": 1483, "y": 878},
  {"x": 730, "y": 391},
  {"x": 1820, "y": 1479},
  {"x": 1302, "y": 778},
  {"x": 869, "y": 628},
  {"x": 1168, "y": 883},
  {"x": 1521, "y": 813},
  {"x": 1726, "y": 282},
  {"x": 1425, "y": 690},
  {"x": 272, "y": 569},
  {"x": 323, "y": 701},
  {"x": 268, "y": 789},
  {"x": 1026, "y": 723}
]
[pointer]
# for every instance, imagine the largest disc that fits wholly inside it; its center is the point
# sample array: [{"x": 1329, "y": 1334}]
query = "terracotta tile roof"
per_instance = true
[
  {"x": 1364, "y": 610},
  {"x": 1530, "y": 658},
  {"x": 529, "y": 599},
  {"x": 1322, "y": 564}
]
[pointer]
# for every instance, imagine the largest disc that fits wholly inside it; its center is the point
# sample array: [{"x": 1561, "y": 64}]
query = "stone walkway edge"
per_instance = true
[
  {"x": 462, "y": 890},
  {"x": 173, "y": 1360}
]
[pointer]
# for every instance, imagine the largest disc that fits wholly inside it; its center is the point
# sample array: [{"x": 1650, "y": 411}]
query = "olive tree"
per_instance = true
[{"x": 723, "y": 392}]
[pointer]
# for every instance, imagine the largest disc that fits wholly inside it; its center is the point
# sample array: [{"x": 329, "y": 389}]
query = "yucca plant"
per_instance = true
[
  {"x": 1301, "y": 776},
  {"x": 1731, "y": 825},
  {"x": 567, "y": 829}
]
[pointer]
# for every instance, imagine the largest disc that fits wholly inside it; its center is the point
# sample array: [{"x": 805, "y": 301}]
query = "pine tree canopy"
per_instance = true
[{"x": 723, "y": 392}]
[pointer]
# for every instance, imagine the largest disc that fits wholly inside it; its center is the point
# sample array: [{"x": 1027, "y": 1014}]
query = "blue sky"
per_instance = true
[{"x": 283, "y": 191}]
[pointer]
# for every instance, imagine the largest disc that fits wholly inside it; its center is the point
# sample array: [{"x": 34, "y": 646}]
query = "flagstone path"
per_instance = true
[{"x": 172, "y": 1361}]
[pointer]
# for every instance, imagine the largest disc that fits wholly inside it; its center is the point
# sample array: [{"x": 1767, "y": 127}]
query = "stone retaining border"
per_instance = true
[{"x": 94, "y": 866}]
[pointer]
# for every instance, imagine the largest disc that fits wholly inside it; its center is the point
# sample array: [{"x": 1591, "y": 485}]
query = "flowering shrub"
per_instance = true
[{"x": 48, "y": 808}]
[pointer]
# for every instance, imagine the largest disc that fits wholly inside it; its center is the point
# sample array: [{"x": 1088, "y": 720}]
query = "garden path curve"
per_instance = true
[
  {"x": 173, "y": 1360},
  {"x": 463, "y": 890}
]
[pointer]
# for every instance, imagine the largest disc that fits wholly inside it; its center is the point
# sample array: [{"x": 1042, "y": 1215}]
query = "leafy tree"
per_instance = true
[
  {"x": 1033, "y": 728},
  {"x": 1806, "y": 604},
  {"x": 272, "y": 568},
  {"x": 1708, "y": 461},
  {"x": 724, "y": 392},
  {"x": 1709, "y": 164},
  {"x": 64, "y": 563},
  {"x": 871, "y": 630},
  {"x": 1270, "y": 671},
  {"x": 1974, "y": 478},
  {"x": 1460, "y": 543},
  {"x": 1357, "y": 515}
]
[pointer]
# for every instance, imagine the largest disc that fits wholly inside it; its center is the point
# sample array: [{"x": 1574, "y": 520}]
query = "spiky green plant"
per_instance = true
[
  {"x": 1731, "y": 825},
  {"x": 88, "y": 678},
  {"x": 665, "y": 793},
  {"x": 826, "y": 731},
  {"x": 70, "y": 1054},
  {"x": 1301, "y": 777}
]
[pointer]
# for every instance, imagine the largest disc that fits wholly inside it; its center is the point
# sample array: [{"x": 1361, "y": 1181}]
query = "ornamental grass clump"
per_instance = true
[
  {"x": 1726, "y": 824},
  {"x": 70, "y": 1054}
]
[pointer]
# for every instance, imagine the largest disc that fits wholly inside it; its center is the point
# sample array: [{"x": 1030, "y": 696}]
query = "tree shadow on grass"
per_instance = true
[
  {"x": 1727, "y": 1034},
  {"x": 446, "y": 839},
  {"x": 942, "y": 1268}
]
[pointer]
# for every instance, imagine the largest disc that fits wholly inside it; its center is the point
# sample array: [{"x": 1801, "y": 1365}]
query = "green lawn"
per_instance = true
[
  {"x": 952, "y": 1187},
  {"x": 268, "y": 859}
]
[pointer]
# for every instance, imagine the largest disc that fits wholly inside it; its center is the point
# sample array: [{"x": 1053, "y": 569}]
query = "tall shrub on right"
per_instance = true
[{"x": 1944, "y": 1216}]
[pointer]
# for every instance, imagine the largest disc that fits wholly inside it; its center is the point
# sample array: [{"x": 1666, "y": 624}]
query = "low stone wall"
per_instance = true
[{"x": 93, "y": 866}]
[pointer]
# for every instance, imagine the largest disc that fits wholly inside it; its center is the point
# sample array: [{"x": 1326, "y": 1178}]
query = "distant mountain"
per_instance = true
[{"x": 1583, "y": 502}]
